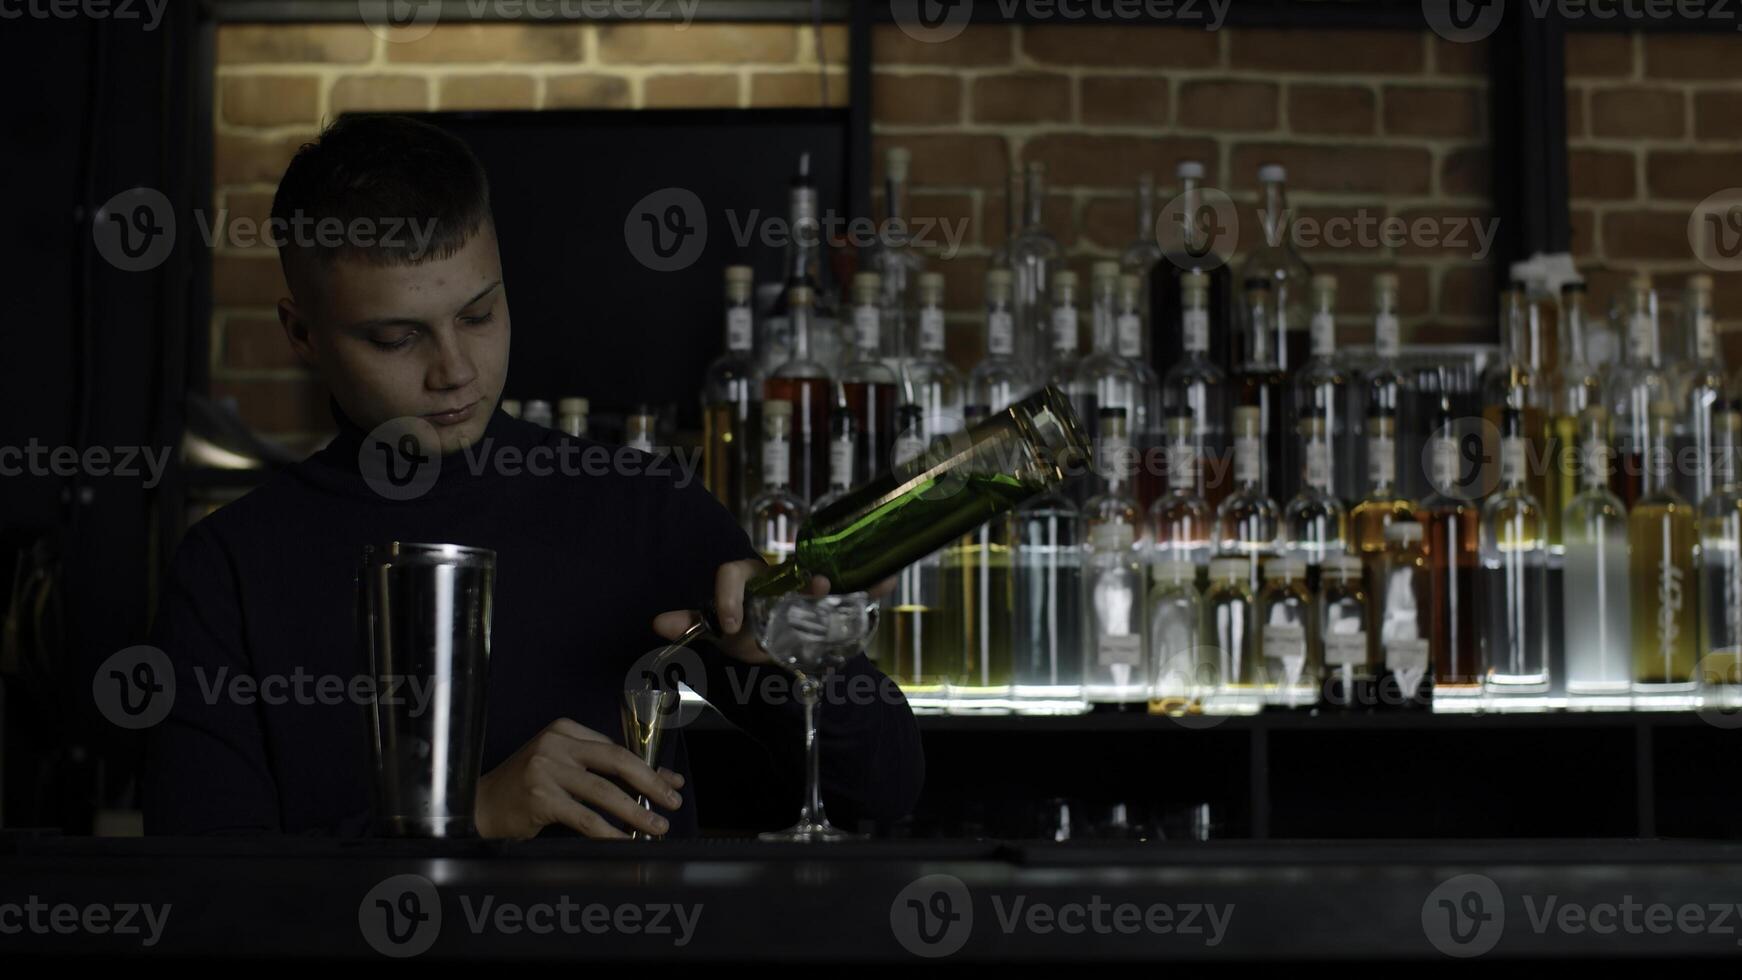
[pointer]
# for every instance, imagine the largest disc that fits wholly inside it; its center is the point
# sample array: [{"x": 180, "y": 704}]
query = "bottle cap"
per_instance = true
[
  {"x": 1404, "y": 532},
  {"x": 1272, "y": 173},
  {"x": 799, "y": 296},
  {"x": 1104, "y": 269},
  {"x": 1130, "y": 282},
  {"x": 1640, "y": 280},
  {"x": 572, "y": 406},
  {"x": 777, "y": 407},
  {"x": 998, "y": 277},
  {"x": 895, "y": 161},
  {"x": 1224, "y": 568},
  {"x": 1385, "y": 282},
  {"x": 1324, "y": 282},
  {"x": 1195, "y": 280},
  {"x": 1175, "y": 570},
  {"x": 1343, "y": 566},
  {"x": 1189, "y": 170},
  {"x": 1698, "y": 283},
  {"x": 740, "y": 274},
  {"x": 1064, "y": 278},
  {"x": 866, "y": 280},
  {"x": 1284, "y": 568}
]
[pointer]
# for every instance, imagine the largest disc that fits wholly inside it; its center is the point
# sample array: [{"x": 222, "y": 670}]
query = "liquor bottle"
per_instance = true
[
  {"x": 641, "y": 430},
  {"x": 1314, "y": 525},
  {"x": 1515, "y": 573},
  {"x": 1131, "y": 321},
  {"x": 1580, "y": 388},
  {"x": 1062, "y": 359},
  {"x": 1385, "y": 386},
  {"x": 571, "y": 417},
  {"x": 1116, "y": 669},
  {"x": 1513, "y": 383},
  {"x": 1323, "y": 386},
  {"x": 1049, "y": 639},
  {"x": 1402, "y": 621},
  {"x": 981, "y": 572},
  {"x": 1197, "y": 387},
  {"x": 1034, "y": 257},
  {"x": 868, "y": 386},
  {"x": 1595, "y": 613},
  {"x": 1230, "y": 631},
  {"x": 511, "y": 407},
  {"x": 1181, "y": 677},
  {"x": 843, "y": 456},
  {"x": 1194, "y": 253},
  {"x": 1104, "y": 379},
  {"x": 1259, "y": 382},
  {"x": 776, "y": 513},
  {"x": 925, "y": 631},
  {"x": 1383, "y": 504},
  {"x": 1182, "y": 524},
  {"x": 1277, "y": 262},
  {"x": 1663, "y": 541},
  {"x": 898, "y": 265},
  {"x": 1288, "y": 636},
  {"x": 1699, "y": 389},
  {"x": 999, "y": 378},
  {"x": 1140, "y": 257},
  {"x": 803, "y": 384},
  {"x": 1013, "y": 218},
  {"x": 1720, "y": 673},
  {"x": 731, "y": 393},
  {"x": 1351, "y": 667},
  {"x": 1454, "y": 546},
  {"x": 929, "y": 380},
  {"x": 805, "y": 270},
  {"x": 1247, "y": 522},
  {"x": 1633, "y": 387},
  {"x": 538, "y": 412}
]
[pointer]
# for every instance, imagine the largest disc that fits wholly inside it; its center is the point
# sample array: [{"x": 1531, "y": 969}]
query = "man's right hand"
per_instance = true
[{"x": 569, "y": 774}]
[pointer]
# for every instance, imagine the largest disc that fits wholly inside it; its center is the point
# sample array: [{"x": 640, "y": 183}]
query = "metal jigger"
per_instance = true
[{"x": 644, "y": 714}]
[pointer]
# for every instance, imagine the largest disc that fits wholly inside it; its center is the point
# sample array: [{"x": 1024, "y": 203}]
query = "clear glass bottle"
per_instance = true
[
  {"x": 843, "y": 456},
  {"x": 1699, "y": 389},
  {"x": 1182, "y": 524},
  {"x": 1315, "y": 526},
  {"x": 1230, "y": 631},
  {"x": 1064, "y": 334},
  {"x": 1144, "y": 251},
  {"x": 1034, "y": 257},
  {"x": 868, "y": 386},
  {"x": 1049, "y": 639},
  {"x": 1288, "y": 636},
  {"x": 999, "y": 378},
  {"x": 538, "y": 412},
  {"x": 1720, "y": 673},
  {"x": 1116, "y": 671},
  {"x": 1514, "y": 611},
  {"x": 1383, "y": 504},
  {"x": 1259, "y": 382},
  {"x": 1386, "y": 387},
  {"x": 776, "y": 513},
  {"x": 1351, "y": 669},
  {"x": 1322, "y": 385},
  {"x": 731, "y": 392},
  {"x": 1103, "y": 378},
  {"x": 929, "y": 380},
  {"x": 981, "y": 568},
  {"x": 1197, "y": 387},
  {"x": 1595, "y": 604},
  {"x": 1192, "y": 254},
  {"x": 1454, "y": 551},
  {"x": 1633, "y": 387},
  {"x": 1248, "y": 521},
  {"x": 641, "y": 430},
  {"x": 1402, "y": 619},
  {"x": 803, "y": 383},
  {"x": 1131, "y": 323},
  {"x": 571, "y": 417},
  {"x": 1580, "y": 387},
  {"x": 1512, "y": 383},
  {"x": 1183, "y": 675},
  {"x": 924, "y": 652},
  {"x": 806, "y": 269},
  {"x": 898, "y": 266},
  {"x": 1278, "y": 262},
  {"x": 1663, "y": 545}
]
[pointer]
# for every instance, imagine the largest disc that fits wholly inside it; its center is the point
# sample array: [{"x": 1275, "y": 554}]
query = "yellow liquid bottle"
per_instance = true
[{"x": 1663, "y": 543}]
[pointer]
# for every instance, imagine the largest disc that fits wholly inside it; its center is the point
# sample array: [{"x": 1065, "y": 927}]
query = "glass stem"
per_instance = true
[{"x": 808, "y": 691}]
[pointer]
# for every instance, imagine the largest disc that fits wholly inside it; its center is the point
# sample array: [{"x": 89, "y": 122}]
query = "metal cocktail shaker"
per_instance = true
[{"x": 423, "y": 618}]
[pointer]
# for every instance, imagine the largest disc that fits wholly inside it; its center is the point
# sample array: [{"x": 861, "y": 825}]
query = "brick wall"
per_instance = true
[{"x": 1389, "y": 123}]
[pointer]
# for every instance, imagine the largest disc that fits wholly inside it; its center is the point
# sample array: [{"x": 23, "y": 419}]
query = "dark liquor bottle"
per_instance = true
[
  {"x": 867, "y": 383},
  {"x": 730, "y": 399},
  {"x": 1191, "y": 249}
]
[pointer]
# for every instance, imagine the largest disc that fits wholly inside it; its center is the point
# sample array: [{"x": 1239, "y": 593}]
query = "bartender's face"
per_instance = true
[{"x": 427, "y": 340}]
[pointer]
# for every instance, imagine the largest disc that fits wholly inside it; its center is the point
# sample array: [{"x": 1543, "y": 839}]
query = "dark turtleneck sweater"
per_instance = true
[{"x": 586, "y": 557}]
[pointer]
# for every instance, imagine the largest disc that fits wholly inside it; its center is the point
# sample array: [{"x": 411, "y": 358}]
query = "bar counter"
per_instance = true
[{"x": 887, "y": 900}]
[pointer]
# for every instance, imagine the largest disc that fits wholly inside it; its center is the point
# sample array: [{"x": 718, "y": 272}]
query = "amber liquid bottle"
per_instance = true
[
  {"x": 1663, "y": 545},
  {"x": 1453, "y": 515},
  {"x": 804, "y": 384}
]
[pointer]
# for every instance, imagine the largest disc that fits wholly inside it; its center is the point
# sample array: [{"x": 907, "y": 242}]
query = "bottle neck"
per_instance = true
[
  {"x": 801, "y": 331},
  {"x": 1381, "y": 458},
  {"x": 1145, "y": 211},
  {"x": 1106, "y": 316},
  {"x": 1182, "y": 463},
  {"x": 1034, "y": 198},
  {"x": 804, "y": 247},
  {"x": 1260, "y": 349},
  {"x": 1324, "y": 325},
  {"x": 1660, "y": 464},
  {"x": 1642, "y": 338},
  {"x": 1249, "y": 462},
  {"x": 1276, "y": 214}
]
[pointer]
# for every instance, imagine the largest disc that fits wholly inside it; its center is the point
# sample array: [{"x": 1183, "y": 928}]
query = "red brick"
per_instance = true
[
  {"x": 279, "y": 407},
  {"x": 950, "y": 159},
  {"x": 1466, "y": 172},
  {"x": 1575, "y": 112},
  {"x": 1691, "y": 175},
  {"x": 588, "y": 90},
  {"x": 1601, "y": 174},
  {"x": 1718, "y": 115},
  {"x": 1646, "y": 235},
  {"x": 1340, "y": 51},
  {"x": 1454, "y": 233},
  {"x": 1637, "y": 113},
  {"x": 978, "y": 45},
  {"x": 1584, "y": 233},
  {"x": 270, "y": 100},
  {"x": 1116, "y": 100},
  {"x": 956, "y": 208},
  {"x": 1672, "y": 55},
  {"x": 487, "y": 92},
  {"x": 668, "y": 91},
  {"x": 964, "y": 290},
  {"x": 1332, "y": 109},
  {"x": 1421, "y": 111},
  {"x": 252, "y": 44},
  {"x": 477, "y": 43},
  {"x": 1056, "y": 216},
  {"x": 1341, "y": 230},
  {"x": 1467, "y": 290},
  {"x": 379, "y": 93},
  {"x": 669, "y": 44},
  {"x": 800, "y": 89},
  {"x": 1227, "y": 104},
  {"x": 1355, "y": 292},
  {"x": 1458, "y": 58},
  {"x": 1111, "y": 161},
  {"x": 1121, "y": 46},
  {"x": 916, "y": 100},
  {"x": 256, "y": 343},
  {"x": 253, "y": 159},
  {"x": 1599, "y": 54},
  {"x": 254, "y": 279},
  {"x": 1110, "y": 223},
  {"x": 1374, "y": 169},
  {"x": 253, "y": 208},
  {"x": 1022, "y": 98}
]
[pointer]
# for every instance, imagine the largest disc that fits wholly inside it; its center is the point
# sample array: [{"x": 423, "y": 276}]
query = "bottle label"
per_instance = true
[
  {"x": 1705, "y": 336},
  {"x": 1512, "y": 460},
  {"x": 908, "y": 448},
  {"x": 1318, "y": 465},
  {"x": 1112, "y": 536},
  {"x": 1000, "y": 332},
  {"x": 1117, "y": 651},
  {"x": 841, "y": 462},
  {"x": 776, "y": 464},
  {"x": 1386, "y": 342},
  {"x": 1195, "y": 331},
  {"x": 1381, "y": 460},
  {"x": 1112, "y": 461},
  {"x": 1285, "y": 644},
  {"x": 1246, "y": 452},
  {"x": 1324, "y": 334},
  {"x": 1670, "y": 595},
  {"x": 1406, "y": 658},
  {"x": 867, "y": 327},
  {"x": 1445, "y": 462},
  {"x": 1594, "y": 467},
  {"x": 931, "y": 329},
  {"x": 1181, "y": 466},
  {"x": 1064, "y": 328},
  {"x": 1346, "y": 649},
  {"x": 738, "y": 328},
  {"x": 1639, "y": 336},
  {"x": 1130, "y": 333}
]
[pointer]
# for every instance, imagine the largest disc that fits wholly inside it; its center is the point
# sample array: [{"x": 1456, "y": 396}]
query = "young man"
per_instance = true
[{"x": 413, "y": 332}]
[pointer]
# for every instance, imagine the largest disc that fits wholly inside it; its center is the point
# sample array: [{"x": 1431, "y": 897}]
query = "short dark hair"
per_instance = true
[{"x": 389, "y": 170}]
